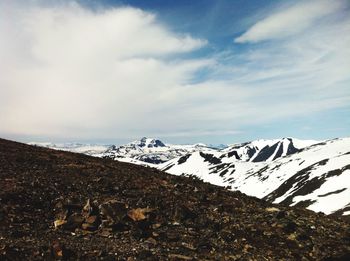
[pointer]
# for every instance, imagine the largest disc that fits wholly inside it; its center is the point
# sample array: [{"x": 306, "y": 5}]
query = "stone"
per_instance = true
[
  {"x": 74, "y": 221},
  {"x": 272, "y": 209},
  {"x": 137, "y": 214},
  {"x": 113, "y": 211},
  {"x": 87, "y": 226},
  {"x": 59, "y": 222},
  {"x": 179, "y": 257},
  {"x": 87, "y": 209},
  {"x": 151, "y": 241},
  {"x": 91, "y": 219},
  {"x": 57, "y": 249}
]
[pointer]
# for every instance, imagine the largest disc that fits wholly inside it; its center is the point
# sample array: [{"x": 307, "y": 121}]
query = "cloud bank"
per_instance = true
[{"x": 65, "y": 67}]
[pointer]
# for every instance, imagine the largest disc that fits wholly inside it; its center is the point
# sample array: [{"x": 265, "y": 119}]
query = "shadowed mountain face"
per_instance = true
[
  {"x": 150, "y": 143},
  {"x": 63, "y": 205}
]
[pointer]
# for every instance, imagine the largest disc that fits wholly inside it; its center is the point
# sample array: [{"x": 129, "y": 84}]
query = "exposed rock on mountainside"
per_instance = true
[
  {"x": 263, "y": 150},
  {"x": 316, "y": 176},
  {"x": 61, "y": 205}
]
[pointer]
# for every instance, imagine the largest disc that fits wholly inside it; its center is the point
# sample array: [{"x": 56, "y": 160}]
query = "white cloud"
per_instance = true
[
  {"x": 290, "y": 20},
  {"x": 67, "y": 70}
]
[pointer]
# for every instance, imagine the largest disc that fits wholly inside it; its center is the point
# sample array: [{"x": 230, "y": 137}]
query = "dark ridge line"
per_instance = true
[{"x": 332, "y": 192}]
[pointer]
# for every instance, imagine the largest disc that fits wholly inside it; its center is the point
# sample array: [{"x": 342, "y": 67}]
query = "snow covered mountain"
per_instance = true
[
  {"x": 287, "y": 171},
  {"x": 265, "y": 150},
  {"x": 146, "y": 151},
  {"x": 152, "y": 151},
  {"x": 306, "y": 173}
]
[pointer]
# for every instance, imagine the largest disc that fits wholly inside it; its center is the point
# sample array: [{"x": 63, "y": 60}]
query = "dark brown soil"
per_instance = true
[{"x": 60, "y": 205}]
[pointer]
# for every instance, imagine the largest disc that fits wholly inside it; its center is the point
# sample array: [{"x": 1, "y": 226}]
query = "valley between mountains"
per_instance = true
[{"x": 307, "y": 173}]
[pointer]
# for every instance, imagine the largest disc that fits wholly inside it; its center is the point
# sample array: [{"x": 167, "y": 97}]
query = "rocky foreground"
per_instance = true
[{"x": 61, "y": 205}]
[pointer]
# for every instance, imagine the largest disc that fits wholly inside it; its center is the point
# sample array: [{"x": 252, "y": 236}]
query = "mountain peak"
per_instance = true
[{"x": 149, "y": 143}]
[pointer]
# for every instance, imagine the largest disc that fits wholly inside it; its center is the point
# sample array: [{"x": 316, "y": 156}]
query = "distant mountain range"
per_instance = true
[
  {"x": 146, "y": 151},
  {"x": 307, "y": 173}
]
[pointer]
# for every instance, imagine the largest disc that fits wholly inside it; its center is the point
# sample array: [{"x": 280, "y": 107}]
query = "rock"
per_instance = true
[
  {"x": 57, "y": 249},
  {"x": 74, "y": 221},
  {"x": 292, "y": 236},
  {"x": 246, "y": 248},
  {"x": 87, "y": 209},
  {"x": 290, "y": 227},
  {"x": 281, "y": 214},
  {"x": 145, "y": 254},
  {"x": 173, "y": 236},
  {"x": 272, "y": 209},
  {"x": 151, "y": 241},
  {"x": 87, "y": 226},
  {"x": 138, "y": 214},
  {"x": 105, "y": 232},
  {"x": 179, "y": 257},
  {"x": 80, "y": 232},
  {"x": 188, "y": 246},
  {"x": 183, "y": 213},
  {"x": 157, "y": 225},
  {"x": 59, "y": 222},
  {"x": 303, "y": 237},
  {"x": 113, "y": 211},
  {"x": 91, "y": 220}
]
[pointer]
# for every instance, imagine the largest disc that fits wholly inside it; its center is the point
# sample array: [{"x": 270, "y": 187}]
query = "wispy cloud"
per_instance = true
[
  {"x": 304, "y": 66},
  {"x": 290, "y": 20}
]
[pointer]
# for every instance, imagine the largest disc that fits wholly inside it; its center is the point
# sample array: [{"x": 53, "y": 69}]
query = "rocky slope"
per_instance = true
[{"x": 61, "y": 205}]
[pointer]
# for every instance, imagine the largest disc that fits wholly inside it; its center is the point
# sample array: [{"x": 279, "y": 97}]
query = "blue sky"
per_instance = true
[{"x": 184, "y": 71}]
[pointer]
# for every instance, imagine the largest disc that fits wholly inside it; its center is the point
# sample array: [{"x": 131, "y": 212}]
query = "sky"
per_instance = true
[{"x": 207, "y": 71}]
